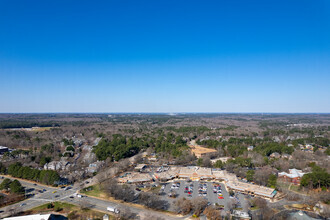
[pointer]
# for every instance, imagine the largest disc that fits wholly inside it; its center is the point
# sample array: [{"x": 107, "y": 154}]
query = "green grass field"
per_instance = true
[{"x": 94, "y": 190}]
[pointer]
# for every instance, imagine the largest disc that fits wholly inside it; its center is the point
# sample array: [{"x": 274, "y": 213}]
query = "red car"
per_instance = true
[{"x": 220, "y": 197}]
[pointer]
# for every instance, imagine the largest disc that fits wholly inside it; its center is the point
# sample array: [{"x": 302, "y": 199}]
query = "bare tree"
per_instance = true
[
  {"x": 198, "y": 205},
  {"x": 257, "y": 159},
  {"x": 212, "y": 214},
  {"x": 265, "y": 211},
  {"x": 126, "y": 214},
  {"x": 261, "y": 176},
  {"x": 206, "y": 162},
  {"x": 326, "y": 211},
  {"x": 148, "y": 216},
  {"x": 183, "y": 206},
  {"x": 230, "y": 204}
]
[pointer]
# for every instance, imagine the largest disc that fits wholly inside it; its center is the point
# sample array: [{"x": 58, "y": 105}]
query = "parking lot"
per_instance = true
[{"x": 214, "y": 192}]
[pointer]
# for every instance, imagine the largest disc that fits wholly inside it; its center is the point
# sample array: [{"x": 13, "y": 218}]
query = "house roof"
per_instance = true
[
  {"x": 293, "y": 173},
  {"x": 30, "y": 217},
  {"x": 140, "y": 166}
]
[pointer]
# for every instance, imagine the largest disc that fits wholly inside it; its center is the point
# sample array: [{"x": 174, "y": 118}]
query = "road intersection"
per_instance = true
[{"x": 52, "y": 194}]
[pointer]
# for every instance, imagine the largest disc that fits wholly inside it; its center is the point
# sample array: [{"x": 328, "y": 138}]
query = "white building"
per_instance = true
[
  {"x": 3, "y": 149},
  {"x": 57, "y": 165},
  {"x": 31, "y": 217},
  {"x": 294, "y": 176}
]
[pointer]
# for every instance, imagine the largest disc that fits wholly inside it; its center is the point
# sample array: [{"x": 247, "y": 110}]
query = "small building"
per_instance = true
[
  {"x": 135, "y": 178},
  {"x": 3, "y": 149},
  {"x": 294, "y": 176},
  {"x": 95, "y": 167},
  {"x": 250, "y": 148},
  {"x": 287, "y": 156},
  {"x": 237, "y": 214},
  {"x": 152, "y": 158},
  {"x": 275, "y": 155},
  {"x": 140, "y": 167}
]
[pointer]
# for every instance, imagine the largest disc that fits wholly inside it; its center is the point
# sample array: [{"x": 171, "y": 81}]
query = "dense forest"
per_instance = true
[
  {"x": 48, "y": 177},
  {"x": 122, "y": 147}
]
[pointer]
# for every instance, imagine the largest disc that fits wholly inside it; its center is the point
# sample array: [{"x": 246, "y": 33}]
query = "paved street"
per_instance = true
[{"x": 58, "y": 194}]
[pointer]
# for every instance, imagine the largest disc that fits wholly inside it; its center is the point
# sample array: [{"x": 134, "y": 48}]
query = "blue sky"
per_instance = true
[{"x": 165, "y": 56}]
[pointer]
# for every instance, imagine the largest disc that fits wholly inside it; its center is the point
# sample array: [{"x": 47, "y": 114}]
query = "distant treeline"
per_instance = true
[
  {"x": 49, "y": 177},
  {"x": 26, "y": 124}
]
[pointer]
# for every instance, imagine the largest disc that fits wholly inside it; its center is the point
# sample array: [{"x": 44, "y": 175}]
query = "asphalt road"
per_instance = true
[{"x": 57, "y": 194}]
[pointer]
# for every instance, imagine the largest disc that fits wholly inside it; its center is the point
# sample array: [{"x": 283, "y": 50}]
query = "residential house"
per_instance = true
[
  {"x": 287, "y": 156},
  {"x": 294, "y": 176},
  {"x": 57, "y": 165},
  {"x": 3, "y": 149},
  {"x": 275, "y": 155},
  {"x": 140, "y": 167},
  {"x": 237, "y": 214},
  {"x": 95, "y": 167},
  {"x": 307, "y": 148},
  {"x": 250, "y": 148}
]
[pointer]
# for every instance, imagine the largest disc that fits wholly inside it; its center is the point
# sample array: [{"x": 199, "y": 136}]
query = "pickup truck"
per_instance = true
[{"x": 113, "y": 209}]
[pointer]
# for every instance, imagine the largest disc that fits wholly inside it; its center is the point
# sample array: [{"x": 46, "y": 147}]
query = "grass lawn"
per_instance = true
[
  {"x": 155, "y": 189},
  {"x": 293, "y": 188},
  {"x": 56, "y": 205},
  {"x": 94, "y": 190}
]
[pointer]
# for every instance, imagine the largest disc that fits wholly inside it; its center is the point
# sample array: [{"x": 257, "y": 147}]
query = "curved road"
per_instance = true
[{"x": 58, "y": 194}]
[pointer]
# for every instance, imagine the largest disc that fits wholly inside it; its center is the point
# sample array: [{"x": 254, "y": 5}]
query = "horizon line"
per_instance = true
[{"x": 164, "y": 112}]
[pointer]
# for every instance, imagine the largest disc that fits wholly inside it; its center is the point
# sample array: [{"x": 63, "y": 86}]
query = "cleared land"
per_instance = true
[{"x": 200, "y": 151}]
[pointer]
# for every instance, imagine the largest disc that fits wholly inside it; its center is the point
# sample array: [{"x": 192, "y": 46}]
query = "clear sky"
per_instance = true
[{"x": 165, "y": 56}]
